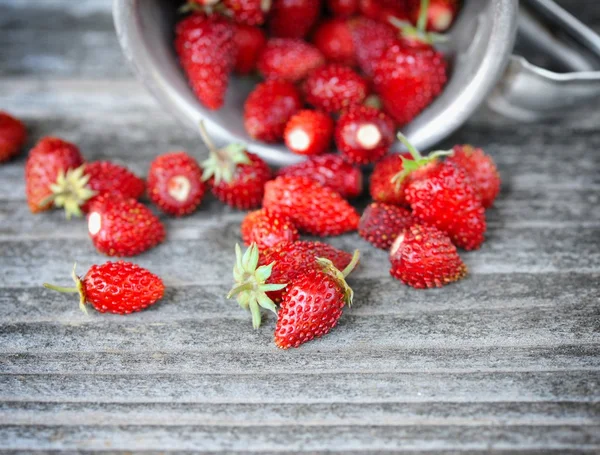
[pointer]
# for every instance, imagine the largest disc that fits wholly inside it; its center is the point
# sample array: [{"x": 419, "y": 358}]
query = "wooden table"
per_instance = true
[{"x": 507, "y": 360}]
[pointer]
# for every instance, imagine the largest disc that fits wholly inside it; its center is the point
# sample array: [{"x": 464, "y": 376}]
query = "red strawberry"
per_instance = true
[
  {"x": 12, "y": 136},
  {"x": 313, "y": 208},
  {"x": 382, "y": 10},
  {"x": 288, "y": 59},
  {"x": 334, "y": 87},
  {"x": 116, "y": 287},
  {"x": 268, "y": 108},
  {"x": 382, "y": 188},
  {"x": 175, "y": 183},
  {"x": 267, "y": 229},
  {"x": 249, "y": 12},
  {"x": 249, "y": 42},
  {"x": 370, "y": 40},
  {"x": 334, "y": 39},
  {"x": 481, "y": 169},
  {"x": 381, "y": 223},
  {"x": 331, "y": 171},
  {"x": 123, "y": 227},
  {"x": 206, "y": 52},
  {"x": 343, "y": 8},
  {"x": 47, "y": 160},
  {"x": 440, "y": 14},
  {"x": 309, "y": 133},
  {"x": 424, "y": 257},
  {"x": 293, "y": 18},
  {"x": 235, "y": 176},
  {"x": 364, "y": 134}
]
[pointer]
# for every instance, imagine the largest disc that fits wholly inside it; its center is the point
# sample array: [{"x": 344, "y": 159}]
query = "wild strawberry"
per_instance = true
[
  {"x": 481, "y": 169},
  {"x": 248, "y": 12},
  {"x": 267, "y": 229},
  {"x": 334, "y": 87},
  {"x": 175, "y": 183},
  {"x": 381, "y": 223},
  {"x": 313, "y": 208},
  {"x": 370, "y": 39},
  {"x": 293, "y": 18},
  {"x": 424, "y": 257},
  {"x": 288, "y": 59},
  {"x": 440, "y": 14},
  {"x": 236, "y": 177},
  {"x": 334, "y": 39},
  {"x": 206, "y": 51},
  {"x": 249, "y": 42},
  {"x": 308, "y": 133},
  {"x": 123, "y": 227},
  {"x": 364, "y": 134},
  {"x": 343, "y": 8},
  {"x": 12, "y": 136},
  {"x": 76, "y": 189},
  {"x": 115, "y": 287},
  {"x": 331, "y": 171},
  {"x": 47, "y": 160},
  {"x": 268, "y": 109},
  {"x": 382, "y": 10}
]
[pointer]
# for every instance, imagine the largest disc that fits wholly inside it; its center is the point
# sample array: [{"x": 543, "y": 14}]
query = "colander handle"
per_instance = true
[{"x": 528, "y": 92}]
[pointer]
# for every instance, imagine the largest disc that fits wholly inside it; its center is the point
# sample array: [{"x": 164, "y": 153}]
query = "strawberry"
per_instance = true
[
  {"x": 343, "y": 8},
  {"x": 175, "y": 183},
  {"x": 249, "y": 42},
  {"x": 381, "y": 223},
  {"x": 115, "y": 287},
  {"x": 248, "y": 12},
  {"x": 332, "y": 88},
  {"x": 236, "y": 177},
  {"x": 12, "y": 136},
  {"x": 331, "y": 171},
  {"x": 268, "y": 108},
  {"x": 334, "y": 39},
  {"x": 364, "y": 134},
  {"x": 123, "y": 227},
  {"x": 440, "y": 14},
  {"x": 382, "y": 10},
  {"x": 308, "y": 133},
  {"x": 206, "y": 51},
  {"x": 481, "y": 169},
  {"x": 76, "y": 189},
  {"x": 47, "y": 160},
  {"x": 267, "y": 229},
  {"x": 424, "y": 257},
  {"x": 289, "y": 59},
  {"x": 370, "y": 40},
  {"x": 293, "y": 18},
  {"x": 313, "y": 208}
]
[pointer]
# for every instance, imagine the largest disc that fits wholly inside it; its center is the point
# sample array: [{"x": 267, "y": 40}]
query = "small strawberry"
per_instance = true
[
  {"x": 248, "y": 12},
  {"x": 313, "y": 208},
  {"x": 267, "y": 229},
  {"x": 175, "y": 183},
  {"x": 382, "y": 10},
  {"x": 331, "y": 171},
  {"x": 236, "y": 177},
  {"x": 293, "y": 18},
  {"x": 268, "y": 109},
  {"x": 370, "y": 40},
  {"x": 123, "y": 227},
  {"x": 381, "y": 223},
  {"x": 332, "y": 88},
  {"x": 364, "y": 134},
  {"x": 206, "y": 51},
  {"x": 47, "y": 160},
  {"x": 382, "y": 187},
  {"x": 343, "y": 8},
  {"x": 115, "y": 287},
  {"x": 309, "y": 133},
  {"x": 289, "y": 59},
  {"x": 440, "y": 14},
  {"x": 424, "y": 257},
  {"x": 12, "y": 136},
  {"x": 249, "y": 42},
  {"x": 334, "y": 39},
  {"x": 481, "y": 169}
]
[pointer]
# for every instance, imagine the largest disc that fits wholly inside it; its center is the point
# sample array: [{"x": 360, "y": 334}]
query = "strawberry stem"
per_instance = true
[
  {"x": 206, "y": 138},
  {"x": 61, "y": 288},
  {"x": 416, "y": 155},
  {"x": 78, "y": 288},
  {"x": 422, "y": 20},
  {"x": 350, "y": 267}
]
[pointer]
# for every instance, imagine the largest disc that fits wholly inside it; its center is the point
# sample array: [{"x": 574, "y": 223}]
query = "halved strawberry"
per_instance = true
[{"x": 309, "y": 132}]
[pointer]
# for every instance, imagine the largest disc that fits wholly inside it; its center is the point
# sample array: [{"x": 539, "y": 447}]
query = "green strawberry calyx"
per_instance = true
[
  {"x": 340, "y": 276},
  {"x": 222, "y": 163},
  {"x": 251, "y": 287},
  {"x": 79, "y": 288},
  {"x": 419, "y": 31},
  {"x": 71, "y": 191}
]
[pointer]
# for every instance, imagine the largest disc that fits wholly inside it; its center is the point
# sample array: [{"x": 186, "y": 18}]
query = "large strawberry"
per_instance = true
[
  {"x": 115, "y": 287},
  {"x": 309, "y": 132},
  {"x": 381, "y": 223},
  {"x": 314, "y": 209},
  {"x": 50, "y": 158},
  {"x": 249, "y": 12},
  {"x": 332, "y": 88},
  {"x": 334, "y": 39},
  {"x": 267, "y": 229},
  {"x": 288, "y": 59},
  {"x": 206, "y": 50},
  {"x": 293, "y": 18},
  {"x": 249, "y": 42},
  {"x": 12, "y": 136}
]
